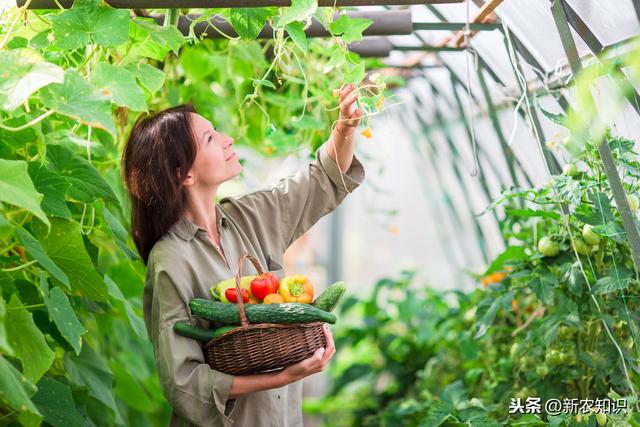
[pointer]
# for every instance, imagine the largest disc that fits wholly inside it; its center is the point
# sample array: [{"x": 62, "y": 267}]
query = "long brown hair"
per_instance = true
[{"x": 159, "y": 153}]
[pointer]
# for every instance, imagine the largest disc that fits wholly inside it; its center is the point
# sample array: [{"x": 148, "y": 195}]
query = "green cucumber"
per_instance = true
[
  {"x": 200, "y": 334},
  {"x": 291, "y": 312},
  {"x": 328, "y": 300}
]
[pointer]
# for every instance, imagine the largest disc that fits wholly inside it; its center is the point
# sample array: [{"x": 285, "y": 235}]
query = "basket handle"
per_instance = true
[{"x": 245, "y": 255}]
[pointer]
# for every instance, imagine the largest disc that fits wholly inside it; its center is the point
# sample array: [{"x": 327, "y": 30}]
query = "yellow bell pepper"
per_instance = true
[{"x": 296, "y": 288}]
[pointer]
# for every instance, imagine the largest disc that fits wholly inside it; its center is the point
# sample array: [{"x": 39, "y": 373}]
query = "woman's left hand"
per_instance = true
[{"x": 350, "y": 114}]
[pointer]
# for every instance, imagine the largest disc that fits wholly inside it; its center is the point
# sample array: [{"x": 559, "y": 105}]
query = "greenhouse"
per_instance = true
[{"x": 319, "y": 212}]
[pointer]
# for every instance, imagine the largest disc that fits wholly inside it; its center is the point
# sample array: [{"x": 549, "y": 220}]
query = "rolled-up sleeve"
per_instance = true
[
  {"x": 283, "y": 212},
  {"x": 196, "y": 392}
]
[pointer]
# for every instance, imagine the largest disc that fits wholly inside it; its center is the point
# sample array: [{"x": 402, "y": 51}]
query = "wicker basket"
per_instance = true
[{"x": 250, "y": 349}]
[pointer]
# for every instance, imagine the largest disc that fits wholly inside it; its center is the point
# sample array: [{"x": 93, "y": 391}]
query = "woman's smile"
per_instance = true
[{"x": 231, "y": 157}]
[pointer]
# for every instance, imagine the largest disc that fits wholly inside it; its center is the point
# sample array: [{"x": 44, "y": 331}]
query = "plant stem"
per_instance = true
[
  {"x": 27, "y": 125},
  {"x": 26, "y": 307},
  {"x": 20, "y": 267}
]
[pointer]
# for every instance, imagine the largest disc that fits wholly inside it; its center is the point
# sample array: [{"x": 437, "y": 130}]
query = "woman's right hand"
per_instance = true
[{"x": 314, "y": 364}]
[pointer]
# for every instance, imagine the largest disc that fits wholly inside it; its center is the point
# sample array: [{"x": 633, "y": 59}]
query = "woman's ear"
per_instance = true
[{"x": 189, "y": 179}]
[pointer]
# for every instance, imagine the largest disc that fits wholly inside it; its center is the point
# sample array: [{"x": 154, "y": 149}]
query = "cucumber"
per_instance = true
[
  {"x": 328, "y": 300},
  {"x": 291, "y": 312},
  {"x": 200, "y": 334}
]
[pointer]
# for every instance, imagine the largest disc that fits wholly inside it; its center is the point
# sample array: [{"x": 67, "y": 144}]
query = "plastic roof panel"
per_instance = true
[
  {"x": 611, "y": 21},
  {"x": 531, "y": 21}
]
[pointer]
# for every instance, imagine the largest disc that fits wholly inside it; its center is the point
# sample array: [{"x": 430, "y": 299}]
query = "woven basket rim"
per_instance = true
[{"x": 255, "y": 326}]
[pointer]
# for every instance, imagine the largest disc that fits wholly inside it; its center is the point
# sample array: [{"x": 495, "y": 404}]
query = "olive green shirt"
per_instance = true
[{"x": 184, "y": 264}]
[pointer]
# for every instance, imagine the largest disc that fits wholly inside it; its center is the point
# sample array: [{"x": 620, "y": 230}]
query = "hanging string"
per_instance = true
[{"x": 474, "y": 148}]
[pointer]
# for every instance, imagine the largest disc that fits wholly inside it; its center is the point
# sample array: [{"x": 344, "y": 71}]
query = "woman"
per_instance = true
[{"x": 174, "y": 163}]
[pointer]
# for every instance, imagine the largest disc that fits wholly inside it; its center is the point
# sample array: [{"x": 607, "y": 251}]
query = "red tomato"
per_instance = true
[
  {"x": 265, "y": 284},
  {"x": 232, "y": 295}
]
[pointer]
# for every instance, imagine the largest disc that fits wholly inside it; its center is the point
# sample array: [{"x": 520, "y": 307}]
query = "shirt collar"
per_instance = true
[{"x": 186, "y": 229}]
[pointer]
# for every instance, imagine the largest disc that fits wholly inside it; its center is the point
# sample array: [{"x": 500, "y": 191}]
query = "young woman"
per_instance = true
[{"x": 173, "y": 164}]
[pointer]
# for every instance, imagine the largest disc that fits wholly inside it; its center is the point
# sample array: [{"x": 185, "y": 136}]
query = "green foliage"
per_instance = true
[
  {"x": 72, "y": 83},
  {"x": 549, "y": 325}
]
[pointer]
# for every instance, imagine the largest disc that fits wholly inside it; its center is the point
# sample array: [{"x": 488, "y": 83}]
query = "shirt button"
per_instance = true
[{"x": 278, "y": 396}]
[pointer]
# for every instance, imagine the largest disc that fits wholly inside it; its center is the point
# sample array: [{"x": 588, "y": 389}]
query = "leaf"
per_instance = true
[
  {"x": 55, "y": 402},
  {"x": 65, "y": 318},
  {"x": 136, "y": 322},
  {"x": 120, "y": 234},
  {"x": 559, "y": 119},
  {"x": 152, "y": 40},
  {"x": 609, "y": 284},
  {"x": 53, "y": 187},
  {"x": 439, "y": 412},
  {"x": 65, "y": 247},
  {"x": 5, "y": 347},
  {"x": 530, "y": 213},
  {"x": 296, "y": 32},
  {"x": 90, "y": 371},
  {"x": 77, "y": 98},
  {"x": 16, "y": 188},
  {"x": 543, "y": 284},
  {"x": 350, "y": 29},
  {"x": 129, "y": 390},
  {"x": 510, "y": 255},
  {"x": 121, "y": 84},
  {"x": 355, "y": 73},
  {"x": 300, "y": 10},
  {"x": 87, "y": 184},
  {"x": 37, "y": 251},
  {"x": 148, "y": 76},
  {"x": 13, "y": 393},
  {"x": 489, "y": 315},
  {"x": 263, "y": 82},
  {"x": 23, "y": 72},
  {"x": 248, "y": 22},
  {"x": 27, "y": 341},
  {"x": 89, "y": 22}
]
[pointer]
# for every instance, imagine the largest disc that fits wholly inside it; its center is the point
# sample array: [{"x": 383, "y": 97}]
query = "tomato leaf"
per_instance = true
[
  {"x": 16, "y": 188},
  {"x": 27, "y": 341}
]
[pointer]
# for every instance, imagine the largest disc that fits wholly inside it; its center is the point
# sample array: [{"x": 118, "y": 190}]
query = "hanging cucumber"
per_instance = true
[
  {"x": 228, "y": 314},
  {"x": 329, "y": 299}
]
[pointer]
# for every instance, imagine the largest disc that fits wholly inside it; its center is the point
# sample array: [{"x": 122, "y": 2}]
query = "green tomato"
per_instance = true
[
  {"x": 548, "y": 247},
  {"x": 542, "y": 370},
  {"x": 589, "y": 235},
  {"x": 601, "y": 418},
  {"x": 581, "y": 247},
  {"x": 633, "y": 201},
  {"x": 570, "y": 169}
]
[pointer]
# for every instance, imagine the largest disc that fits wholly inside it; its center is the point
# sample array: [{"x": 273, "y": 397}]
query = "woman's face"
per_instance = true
[{"x": 216, "y": 161}]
